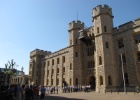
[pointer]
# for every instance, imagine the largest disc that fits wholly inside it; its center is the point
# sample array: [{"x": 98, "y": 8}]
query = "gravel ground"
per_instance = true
[{"x": 93, "y": 96}]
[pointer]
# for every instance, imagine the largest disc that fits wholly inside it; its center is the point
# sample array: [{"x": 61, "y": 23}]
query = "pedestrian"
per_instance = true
[
  {"x": 18, "y": 92},
  {"x": 23, "y": 92},
  {"x": 28, "y": 93},
  {"x": 9, "y": 94},
  {"x": 56, "y": 88},
  {"x": 43, "y": 91}
]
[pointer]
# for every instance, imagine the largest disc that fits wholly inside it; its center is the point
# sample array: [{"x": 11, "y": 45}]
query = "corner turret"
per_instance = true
[
  {"x": 76, "y": 25},
  {"x": 39, "y": 52},
  {"x": 100, "y": 10}
]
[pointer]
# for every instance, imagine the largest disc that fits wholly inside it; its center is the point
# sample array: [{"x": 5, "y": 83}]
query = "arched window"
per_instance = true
[
  {"x": 100, "y": 60},
  {"x": 76, "y": 81},
  {"x": 106, "y": 44},
  {"x": 109, "y": 80},
  {"x": 101, "y": 80}
]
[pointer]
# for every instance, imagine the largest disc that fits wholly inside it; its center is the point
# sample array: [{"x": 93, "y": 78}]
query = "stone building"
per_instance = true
[
  {"x": 102, "y": 55},
  {"x": 20, "y": 78}
]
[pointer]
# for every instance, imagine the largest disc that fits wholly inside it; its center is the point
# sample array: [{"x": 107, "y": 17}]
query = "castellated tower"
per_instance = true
[
  {"x": 104, "y": 54},
  {"x": 74, "y": 28},
  {"x": 36, "y": 66},
  {"x": 75, "y": 51}
]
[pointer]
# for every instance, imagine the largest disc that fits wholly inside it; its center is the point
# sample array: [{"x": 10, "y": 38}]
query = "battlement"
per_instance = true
[
  {"x": 39, "y": 52},
  {"x": 137, "y": 22},
  {"x": 127, "y": 26},
  {"x": 102, "y": 10},
  {"x": 54, "y": 54},
  {"x": 75, "y": 25}
]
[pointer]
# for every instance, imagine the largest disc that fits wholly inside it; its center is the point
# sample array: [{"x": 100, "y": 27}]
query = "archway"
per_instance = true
[{"x": 92, "y": 82}]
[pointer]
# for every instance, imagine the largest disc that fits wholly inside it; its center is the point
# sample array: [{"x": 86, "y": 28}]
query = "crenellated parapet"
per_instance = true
[
  {"x": 99, "y": 10},
  {"x": 57, "y": 53},
  {"x": 127, "y": 26},
  {"x": 76, "y": 25},
  {"x": 39, "y": 52},
  {"x": 136, "y": 22}
]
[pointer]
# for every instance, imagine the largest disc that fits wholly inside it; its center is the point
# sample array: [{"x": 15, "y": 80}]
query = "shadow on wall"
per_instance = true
[{"x": 48, "y": 97}]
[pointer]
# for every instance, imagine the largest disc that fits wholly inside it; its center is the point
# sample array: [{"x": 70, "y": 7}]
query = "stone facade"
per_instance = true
[
  {"x": 112, "y": 54},
  {"x": 20, "y": 78}
]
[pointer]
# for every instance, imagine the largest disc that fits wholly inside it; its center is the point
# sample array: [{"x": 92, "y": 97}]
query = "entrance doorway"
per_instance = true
[{"x": 92, "y": 82}]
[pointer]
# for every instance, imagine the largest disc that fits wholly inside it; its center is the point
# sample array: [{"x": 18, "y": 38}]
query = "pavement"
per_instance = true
[{"x": 93, "y": 96}]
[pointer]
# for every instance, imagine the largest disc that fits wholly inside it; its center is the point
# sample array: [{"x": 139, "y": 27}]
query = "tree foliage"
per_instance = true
[{"x": 9, "y": 68}]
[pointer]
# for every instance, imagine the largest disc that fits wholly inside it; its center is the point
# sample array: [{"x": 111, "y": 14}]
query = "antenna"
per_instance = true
[{"x": 77, "y": 15}]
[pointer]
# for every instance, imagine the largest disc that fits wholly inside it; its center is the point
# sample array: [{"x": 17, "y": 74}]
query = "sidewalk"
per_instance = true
[{"x": 93, "y": 96}]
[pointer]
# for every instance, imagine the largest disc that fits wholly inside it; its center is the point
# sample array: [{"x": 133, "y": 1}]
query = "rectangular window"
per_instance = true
[
  {"x": 120, "y": 43},
  {"x": 137, "y": 38},
  {"x": 47, "y": 81},
  {"x": 76, "y": 54},
  {"x": 57, "y": 70},
  {"x": 105, "y": 30},
  {"x": 63, "y": 59},
  {"x": 47, "y": 72},
  {"x": 70, "y": 42},
  {"x": 48, "y": 63},
  {"x": 106, "y": 44},
  {"x": 100, "y": 60},
  {"x": 97, "y": 29},
  {"x": 52, "y": 71},
  {"x": 70, "y": 66},
  {"x": 57, "y": 60},
  {"x": 138, "y": 55},
  {"x": 63, "y": 69},
  {"x": 52, "y": 61},
  {"x": 75, "y": 41},
  {"x": 123, "y": 59},
  {"x": 57, "y": 82},
  {"x": 92, "y": 51},
  {"x": 52, "y": 82}
]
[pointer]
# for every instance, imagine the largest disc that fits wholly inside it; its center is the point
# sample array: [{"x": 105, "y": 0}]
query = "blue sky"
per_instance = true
[{"x": 29, "y": 24}]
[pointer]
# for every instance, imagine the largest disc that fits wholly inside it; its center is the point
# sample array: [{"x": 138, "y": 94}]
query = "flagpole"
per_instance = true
[{"x": 123, "y": 74}]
